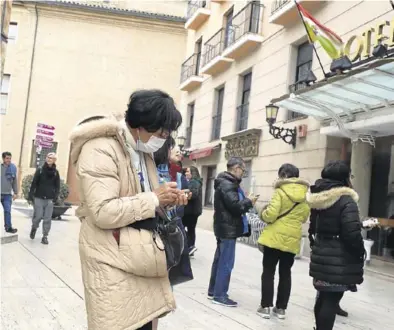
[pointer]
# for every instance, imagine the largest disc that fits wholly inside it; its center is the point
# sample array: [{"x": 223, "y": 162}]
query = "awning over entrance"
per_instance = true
[
  {"x": 203, "y": 152},
  {"x": 360, "y": 92}
]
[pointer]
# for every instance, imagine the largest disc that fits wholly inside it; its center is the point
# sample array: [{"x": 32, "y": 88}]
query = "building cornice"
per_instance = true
[
  {"x": 85, "y": 14},
  {"x": 108, "y": 9}
]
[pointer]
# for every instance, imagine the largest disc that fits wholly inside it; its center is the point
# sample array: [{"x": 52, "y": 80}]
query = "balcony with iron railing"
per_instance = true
[
  {"x": 213, "y": 62},
  {"x": 244, "y": 33},
  {"x": 216, "y": 127},
  {"x": 285, "y": 13},
  {"x": 242, "y": 117},
  {"x": 197, "y": 14},
  {"x": 190, "y": 77}
]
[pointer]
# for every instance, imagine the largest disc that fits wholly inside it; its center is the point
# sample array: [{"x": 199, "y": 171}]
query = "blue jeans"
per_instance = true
[
  {"x": 6, "y": 201},
  {"x": 222, "y": 266}
]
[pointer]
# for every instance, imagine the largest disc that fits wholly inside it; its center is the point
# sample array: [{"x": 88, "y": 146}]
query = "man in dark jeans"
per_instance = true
[
  {"x": 9, "y": 189},
  {"x": 229, "y": 223}
]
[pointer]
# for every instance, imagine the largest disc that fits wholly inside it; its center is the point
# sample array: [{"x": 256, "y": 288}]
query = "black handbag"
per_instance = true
[
  {"x": 172, "y": 238},
  {"x": 182, "y": 272}
]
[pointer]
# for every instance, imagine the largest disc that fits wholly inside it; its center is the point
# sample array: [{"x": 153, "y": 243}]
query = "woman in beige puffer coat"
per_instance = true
[{"x": 124, "y": 271}]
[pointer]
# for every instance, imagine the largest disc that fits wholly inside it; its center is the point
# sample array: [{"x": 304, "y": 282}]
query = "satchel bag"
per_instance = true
[{"x": 172, "y": 238}]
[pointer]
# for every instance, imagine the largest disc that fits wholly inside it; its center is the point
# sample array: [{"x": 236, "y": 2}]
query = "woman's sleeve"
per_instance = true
[
  {"x": 272, "y": 212},
  {"x": 351, "y": 227},
  {"x": 194, "y": 189},
  {"x": 100, "y": 185}
]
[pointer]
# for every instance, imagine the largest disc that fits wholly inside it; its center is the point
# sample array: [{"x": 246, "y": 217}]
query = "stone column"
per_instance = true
[{"x": 361, "y": 164}]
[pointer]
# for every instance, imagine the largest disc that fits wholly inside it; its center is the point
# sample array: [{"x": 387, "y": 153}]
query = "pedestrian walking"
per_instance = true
[
  {"x": 44, "y": 192},
  {"x": 9, "y": 189},
  {"x": 337, "y": 257},
  {"x": 124, "y": 267},
  {"x": 194, "y": 208},
  {"x": 281, "y": 238},
  {"x": 229, "y": 224}
]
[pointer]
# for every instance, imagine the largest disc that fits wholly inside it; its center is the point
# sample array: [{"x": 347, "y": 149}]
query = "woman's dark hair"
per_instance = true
[
  {"x": 337, "y": 170},
  {"x": 161, "y": 155},
  {"x": 288, "y": 171},
  {"x": 194, "y": 172},
  {"x": 153, "y": 110}
]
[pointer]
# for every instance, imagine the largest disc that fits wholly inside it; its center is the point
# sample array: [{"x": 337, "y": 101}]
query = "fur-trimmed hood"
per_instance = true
[
  {"x": 295, "y": 188},
  {"x": 105, "y": 127},
  {"x": 325, "y": 199}
]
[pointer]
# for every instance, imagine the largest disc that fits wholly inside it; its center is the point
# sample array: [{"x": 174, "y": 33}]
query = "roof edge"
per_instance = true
[{"x": 107, "y": 9}]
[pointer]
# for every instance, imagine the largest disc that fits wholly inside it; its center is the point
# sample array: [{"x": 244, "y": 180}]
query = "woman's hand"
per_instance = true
[
  {"x": 183, "y": 198},
  {"x": 167, "y": 193}
]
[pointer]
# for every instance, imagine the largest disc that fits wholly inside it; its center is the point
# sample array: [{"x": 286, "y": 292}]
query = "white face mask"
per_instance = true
[{"x": 153, "y": 144}]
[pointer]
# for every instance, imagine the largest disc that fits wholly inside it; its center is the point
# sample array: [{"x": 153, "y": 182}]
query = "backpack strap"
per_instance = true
[{"x": 291, "y": 209}]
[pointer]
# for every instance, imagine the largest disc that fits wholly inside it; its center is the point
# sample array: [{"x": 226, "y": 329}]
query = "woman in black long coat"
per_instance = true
[{"x": 337, "y": 258}]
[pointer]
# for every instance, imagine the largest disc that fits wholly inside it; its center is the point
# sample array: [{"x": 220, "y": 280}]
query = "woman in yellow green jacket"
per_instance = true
[{"x": 281, "y": 238}]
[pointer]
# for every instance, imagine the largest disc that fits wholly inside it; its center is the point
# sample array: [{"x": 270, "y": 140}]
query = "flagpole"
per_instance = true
[{"x": 310, "y": 40}]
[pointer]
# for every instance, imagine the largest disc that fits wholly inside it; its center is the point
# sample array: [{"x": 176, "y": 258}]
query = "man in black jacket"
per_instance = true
[
  {"x": 229, "y": 224},
  {"x": 44, "y": 191}
]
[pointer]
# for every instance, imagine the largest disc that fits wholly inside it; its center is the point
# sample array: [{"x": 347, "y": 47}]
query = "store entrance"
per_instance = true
[{"x": 382, "y": 199}]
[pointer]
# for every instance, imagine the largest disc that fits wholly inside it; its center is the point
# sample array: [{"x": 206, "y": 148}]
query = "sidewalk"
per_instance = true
[{"x": 42, "y": 289}]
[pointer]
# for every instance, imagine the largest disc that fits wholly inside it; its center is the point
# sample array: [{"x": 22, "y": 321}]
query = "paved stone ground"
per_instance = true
[{"x": 41, "y": 289}]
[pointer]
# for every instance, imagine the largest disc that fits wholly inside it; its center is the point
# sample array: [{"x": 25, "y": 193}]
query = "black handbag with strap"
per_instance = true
[{"x": 171, "y": 236}]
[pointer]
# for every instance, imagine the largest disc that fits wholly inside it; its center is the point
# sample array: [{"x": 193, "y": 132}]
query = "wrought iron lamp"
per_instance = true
[
  {"x": 288, "y": 135},
  {"x": 181, "y": 142}
]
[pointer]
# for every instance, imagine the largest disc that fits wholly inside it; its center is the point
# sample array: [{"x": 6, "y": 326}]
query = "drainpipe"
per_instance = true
[{"x": 27, "y": 98}]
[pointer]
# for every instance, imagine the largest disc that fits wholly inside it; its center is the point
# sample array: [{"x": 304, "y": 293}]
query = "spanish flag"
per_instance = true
[{"x": 328, "y": 39}]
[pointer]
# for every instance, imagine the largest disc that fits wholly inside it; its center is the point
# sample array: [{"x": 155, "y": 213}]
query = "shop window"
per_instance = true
[
  {"x": 217, "y": 117},
  {"x": 5, "y": 90},
  {"x": 12, "y": 32},
  {"x": 43, "y": 154},
  {"x": 198, "y": 50},
  {"x": 243, "y": 108},
  {"x": 209, "y": 187},
  {"x": 229, "y": 29},
  {"x": 189, "y": 128},
  {"x": 246, "y": 183}
]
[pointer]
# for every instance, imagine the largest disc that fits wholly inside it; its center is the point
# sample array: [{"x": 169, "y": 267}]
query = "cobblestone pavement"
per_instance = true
[{"x": 41, "y": 289}]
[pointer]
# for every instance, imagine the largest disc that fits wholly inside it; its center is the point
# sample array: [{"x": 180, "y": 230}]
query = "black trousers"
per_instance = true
[
  {"x": 148, "y": 326},
  {"x": 190, "y": 223},
  {"x": 270, "y": 260},
  {"x": 326, "y": 307}
]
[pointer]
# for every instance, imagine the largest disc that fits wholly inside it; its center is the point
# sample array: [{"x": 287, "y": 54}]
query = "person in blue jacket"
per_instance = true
[{"x": 164, "y": 158}]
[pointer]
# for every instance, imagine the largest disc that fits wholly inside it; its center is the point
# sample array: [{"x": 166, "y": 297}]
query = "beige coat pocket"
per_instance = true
[{"x": 141, "y": 255}]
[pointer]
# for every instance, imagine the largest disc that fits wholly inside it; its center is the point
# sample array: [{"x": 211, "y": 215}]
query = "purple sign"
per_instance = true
[
  {"x": 45, "y": 144},
  {"x": 49, "y": 127},
  {"x": 44, "y": 138},
  {"x": 41, "y": 131}
]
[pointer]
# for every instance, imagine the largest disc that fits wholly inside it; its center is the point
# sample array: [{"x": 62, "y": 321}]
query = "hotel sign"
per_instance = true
[{"x": 359, "y": 47}]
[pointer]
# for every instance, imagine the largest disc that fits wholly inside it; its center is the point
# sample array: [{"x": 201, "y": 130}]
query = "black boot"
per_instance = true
[
  {"x": 11, "y": 230},
  {"x": 341, "y": 312},
  {"x": 44, "y": 240},
  {"x": 33, "y": 233}
]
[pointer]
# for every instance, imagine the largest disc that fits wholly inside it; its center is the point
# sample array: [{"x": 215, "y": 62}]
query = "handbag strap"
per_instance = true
[{"x": 291, "y": 209}]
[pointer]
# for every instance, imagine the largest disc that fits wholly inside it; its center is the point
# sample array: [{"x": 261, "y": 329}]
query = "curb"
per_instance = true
[{"x": 9, "y": 238}]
